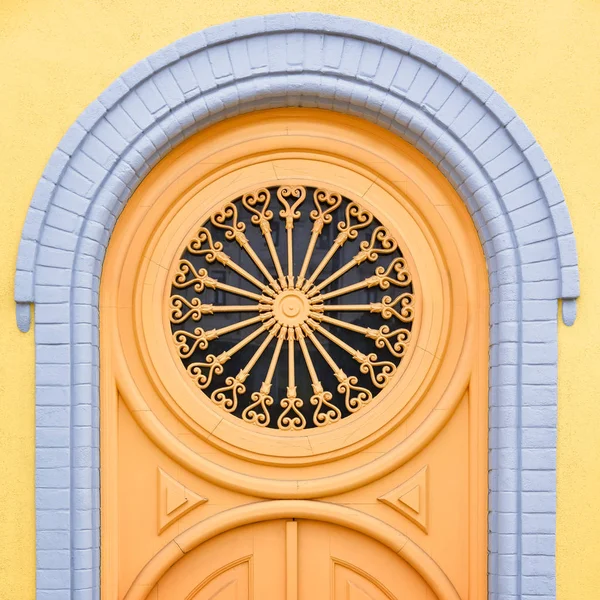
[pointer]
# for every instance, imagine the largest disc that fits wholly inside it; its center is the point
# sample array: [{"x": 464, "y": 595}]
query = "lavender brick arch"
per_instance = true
[{"x": 341, "y": 64}]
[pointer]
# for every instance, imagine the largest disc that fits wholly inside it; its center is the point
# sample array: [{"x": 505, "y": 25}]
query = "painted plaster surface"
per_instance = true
[{"x": 26, "y": 360}]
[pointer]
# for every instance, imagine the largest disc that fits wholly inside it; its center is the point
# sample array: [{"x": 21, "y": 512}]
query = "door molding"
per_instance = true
[
  {"x": 257, "y": 512},
  {"x": 387, "y": 77}
]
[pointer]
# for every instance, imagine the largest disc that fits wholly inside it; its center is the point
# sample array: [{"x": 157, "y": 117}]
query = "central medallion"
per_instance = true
[
  {"x": 294, "y": 336},
  {"x": 291, "y": 308}
]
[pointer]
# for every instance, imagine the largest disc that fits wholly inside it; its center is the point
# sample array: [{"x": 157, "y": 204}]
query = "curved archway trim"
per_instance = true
[
  {"x": 387, "y": 77},
  {"x": 257, "y": 512}
]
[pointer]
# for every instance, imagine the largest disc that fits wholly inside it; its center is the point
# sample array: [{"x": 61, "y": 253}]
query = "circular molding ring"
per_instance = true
[
  {"x": 152, "y": 237},
  {"x": 160, "y": 244},
  {"x": 258, "y": 512}
]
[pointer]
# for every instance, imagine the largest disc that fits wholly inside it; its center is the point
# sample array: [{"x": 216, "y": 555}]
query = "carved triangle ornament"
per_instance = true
[
  {"x": 174, "y": 500},
  {"x": 410, "y": 498}
]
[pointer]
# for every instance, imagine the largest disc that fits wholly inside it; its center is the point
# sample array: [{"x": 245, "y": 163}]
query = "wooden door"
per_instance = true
[
  {"x": 293, "y": 334},
  {"x": 299, "y": 560},
  {"x": 335, "y": 563},
  {"x": 242, "y": 564}
]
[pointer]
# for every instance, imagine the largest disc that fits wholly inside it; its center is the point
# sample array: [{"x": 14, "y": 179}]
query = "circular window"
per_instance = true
[{"x": 291, "y": 307}]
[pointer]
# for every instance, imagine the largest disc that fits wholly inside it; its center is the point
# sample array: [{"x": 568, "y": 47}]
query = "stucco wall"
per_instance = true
[{"x": 542, "y": 57}]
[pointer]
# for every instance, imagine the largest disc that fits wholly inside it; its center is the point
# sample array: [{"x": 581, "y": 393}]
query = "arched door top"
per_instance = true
[
  {"x": 306, "y": 59},
  {"x": 385, "y": 76}
]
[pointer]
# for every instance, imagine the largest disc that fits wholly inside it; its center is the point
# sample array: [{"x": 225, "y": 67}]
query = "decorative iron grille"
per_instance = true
[{"x": 324, "y": 337}]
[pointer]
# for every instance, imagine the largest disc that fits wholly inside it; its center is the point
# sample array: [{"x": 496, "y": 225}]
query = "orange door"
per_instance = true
[
  {"x": 239, "y": 565},
  {"x": 285, "y": 560},
  {"x": 338, "y": 564},
  {"x": 294, "y": 372}
]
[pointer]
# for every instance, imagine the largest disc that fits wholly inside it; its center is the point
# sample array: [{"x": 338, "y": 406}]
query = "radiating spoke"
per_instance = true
[
  {"x": 381, "y": 278},
  {"x": 258, "y": 412},
  {"x": 290, "y": 213},
  {"x": 187, "y": 342},
  {"x": 321, "y": 217},
  {"x": 381, "y": 336},
  {"x": 291, "y": 417},
  {"x": 400, "y": 307},
  {"x": 203, "y": 245},
  {"x": 380, "y": 243},
  {"x": 235, "y": 232},
  {"x": 181, "y": 309},
  {"x": 355, "y": 396},
  {"x": 325, "y": 412},
  {"x": 368, "y": 362},
  {"x": 214, "y": 364},
  {"x": 262, "y": 219},
  {"x": 356, "y": 219},
  {"x": 240, "y": 292},
  {"x": 200, "y": 280},
  {"x": 228, "y": 395}
]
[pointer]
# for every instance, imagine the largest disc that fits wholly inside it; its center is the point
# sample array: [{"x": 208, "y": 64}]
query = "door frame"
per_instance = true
[{"x": 387, "y": 77}]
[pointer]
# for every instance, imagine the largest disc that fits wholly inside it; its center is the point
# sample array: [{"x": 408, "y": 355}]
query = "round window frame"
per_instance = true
[
  {"x": 400, "y": 363},
  {"x": 344, "y": 442}
]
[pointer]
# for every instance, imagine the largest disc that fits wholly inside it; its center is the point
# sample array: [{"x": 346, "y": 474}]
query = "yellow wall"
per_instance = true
[{"x": 543, "y": 56}]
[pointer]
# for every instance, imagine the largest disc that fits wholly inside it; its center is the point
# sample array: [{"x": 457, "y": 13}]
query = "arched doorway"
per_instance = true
[
  {"x": 406, "y": 86},
  {"x": 294, "y": 306}
]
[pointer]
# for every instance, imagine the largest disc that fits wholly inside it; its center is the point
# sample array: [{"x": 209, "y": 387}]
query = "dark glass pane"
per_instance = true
[{"x": 362, "y": 311}]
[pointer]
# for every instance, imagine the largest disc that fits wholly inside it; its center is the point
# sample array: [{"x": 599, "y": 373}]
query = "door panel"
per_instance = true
[
  {"x": 350, "y": 585},
  {"x": 297, "y": 560},
  {"x": 298, "y": 317},
  {"x": 242, "y": 564},
  {"x": 232, "y": 584},
  {"x": 338, "y": 564}
]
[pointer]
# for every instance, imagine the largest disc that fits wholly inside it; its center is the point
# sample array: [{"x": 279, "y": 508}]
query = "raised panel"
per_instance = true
[
  {"x": 233, "y": 584},
  {"x": 336, "y": 563},
  {"x": 350, "y": 585},
  {"x": 244, "y": 563}
]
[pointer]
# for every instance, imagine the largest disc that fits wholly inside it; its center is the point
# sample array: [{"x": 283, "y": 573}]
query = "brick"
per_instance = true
[
  {"x": 439, "y": 93},
  {"x": 52, "y": 499},
  {"x": 538, "y": 565},
  {"x": 569, "y": 282},
  {"x": 53, "y": 559},
  {"x": 537, "y": 585},
  {"x": 451, "y": 67},
  {"x": 57, "y": 579},
  {"x": 56, "y": 165},
  {"x": 53, "y": 416},
  {"x": 426, "y": 52},
  {"x": 544, "y": 353},
  {"x": 543, "y": 502},
  {"x": 52, "y": 458},
  {"x": 539, "y": 310},
  {"x": 52, "y": 395},
  {"x": 539, "y": 416},
  {"x": 477, "y": 86},
  {"x": 537, "y": 159},
  {"x": 405, "y": 74},
  {"x": 514, "y": 179},
  {"x": 538, "y": 437},
  {"x": 52, "y": 437},
  {"x": 151, "y": 98},
  {"x": 55, "y": 478}
]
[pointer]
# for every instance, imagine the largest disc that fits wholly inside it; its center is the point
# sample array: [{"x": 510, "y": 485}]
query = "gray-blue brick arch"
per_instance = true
[{"x": 305, "y": 59}]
